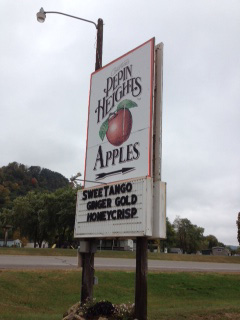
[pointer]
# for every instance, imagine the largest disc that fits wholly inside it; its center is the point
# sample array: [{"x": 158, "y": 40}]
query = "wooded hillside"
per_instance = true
[{"x": 18, "y": 179}]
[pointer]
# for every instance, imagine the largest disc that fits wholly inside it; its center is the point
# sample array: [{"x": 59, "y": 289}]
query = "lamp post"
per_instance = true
[
  {"x": 88, "y": 257},
  {"x": 41, "y": 17}
]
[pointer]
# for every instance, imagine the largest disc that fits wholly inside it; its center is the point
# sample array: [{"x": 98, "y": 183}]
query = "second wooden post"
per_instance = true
[{"x": 141, "y": 279}]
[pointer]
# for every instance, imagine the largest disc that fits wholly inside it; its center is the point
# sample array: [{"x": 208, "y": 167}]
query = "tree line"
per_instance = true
[
  {"x": 50, "y": 216},
  {"x": 43, "y": 216},
  {"x": 17, "y": 179},
  {"x": 38, "y": 203},
  {"x": 183, "y": 234},
  {"x": 40, "y": 206}
]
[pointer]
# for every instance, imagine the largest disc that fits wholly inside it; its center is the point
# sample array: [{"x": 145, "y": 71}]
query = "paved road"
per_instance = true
[{"x": 39, "y": 262}]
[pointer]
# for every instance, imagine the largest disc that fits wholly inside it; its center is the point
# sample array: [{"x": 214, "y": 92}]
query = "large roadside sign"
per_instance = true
[
  {"x": 123, "y": 195},
  {"x": 119, "y": 135}
]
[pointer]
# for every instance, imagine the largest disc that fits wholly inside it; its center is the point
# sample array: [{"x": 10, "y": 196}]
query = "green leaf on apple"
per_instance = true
[
  {"x": 103, "y": 129},
  {"x": 126, "y": 104}
]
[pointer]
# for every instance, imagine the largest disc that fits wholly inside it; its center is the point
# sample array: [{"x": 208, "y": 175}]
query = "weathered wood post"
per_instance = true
[
  {"x": 142, "y": 242},
  {"x": 141, "y": 279},
  {"x": 87, "y": 273},
  {"x": 88, "y": 258}
]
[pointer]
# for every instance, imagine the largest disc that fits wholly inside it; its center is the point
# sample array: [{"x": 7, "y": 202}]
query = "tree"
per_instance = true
[
  {"x": 221, "y": 244},
  {"x": 6, "y": 219},
  {"x": 62, "y": 206},
  {"x": 17, "y": 180},
  {"x": 31, "y": 217},
  {"x": 238, "y": 226},
  {"x": 211, "y": 241},
  {"x": 4, "y": 196},
  {"x": 189, "y": 237},
  {"x": 170, "y": 240},
  {"x": 171, "y": 235},
  {"x": 44, "y": 216}
]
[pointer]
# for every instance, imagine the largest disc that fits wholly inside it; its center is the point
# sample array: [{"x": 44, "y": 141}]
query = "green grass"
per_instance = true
[
  {"x": 40, "y": 295},
  {"x": 38, "y": 252},
  {"x": 120, "y": 254}
]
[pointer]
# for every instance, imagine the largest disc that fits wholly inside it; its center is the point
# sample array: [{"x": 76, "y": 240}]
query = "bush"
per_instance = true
[
  {"x": 101, "y": 308},
  {"x": 94, "y": 310}
]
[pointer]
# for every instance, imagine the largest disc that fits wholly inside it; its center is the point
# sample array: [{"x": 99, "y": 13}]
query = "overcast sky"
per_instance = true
[{"x": 44, "y": 83}]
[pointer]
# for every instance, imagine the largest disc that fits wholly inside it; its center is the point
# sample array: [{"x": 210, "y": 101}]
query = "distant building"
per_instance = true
[
  {"x": 12, "y": 243},
  {"x": 207, "y": 252},
  {"x": 175, "y": 250},
  {"x": 31, "y": 245},
  {"x": 220, "y": 251},
  {"x": 217, "y": 251},
  {"x": 120, "y": 245}
]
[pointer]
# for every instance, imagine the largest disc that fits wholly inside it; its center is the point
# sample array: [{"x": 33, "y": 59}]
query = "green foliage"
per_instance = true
[
  {"x": 6, "y": 218},
  {"x": 26, "y": 196},
  {"x": 170, "y": 242},
  {"x": 101, "y": 308},
  {"x": 31, "y": 217},
  {"x": 46, "y": 216},
  {"x": 4, "y": 196},
  {"x": 61, "y": 205},
  {"x": 94, "y": 310},
  {"x": 188, "y": 236},
  {"x": 211, "y": 241},
  {"x": 17, "y": 180}
]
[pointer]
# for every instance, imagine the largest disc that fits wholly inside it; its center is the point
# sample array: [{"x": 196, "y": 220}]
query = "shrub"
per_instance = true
[{"x": 101, "y": 308}]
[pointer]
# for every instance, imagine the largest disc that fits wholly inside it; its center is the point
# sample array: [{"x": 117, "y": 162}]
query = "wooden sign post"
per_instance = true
[
  {"x": 88, "y": 258},
  {"x": 142, "y": 242},
  {"x": 141, "y": 279}
]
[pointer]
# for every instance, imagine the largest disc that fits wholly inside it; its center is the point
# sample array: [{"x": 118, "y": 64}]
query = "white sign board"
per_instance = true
[
  {"x": 119, "y": 137},
  {"x": 115, "y": 210}
]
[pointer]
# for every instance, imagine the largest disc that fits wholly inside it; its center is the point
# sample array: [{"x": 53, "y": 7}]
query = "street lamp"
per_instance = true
[
  {"x": 87, "y": 257},
  {"x": 41, "y": 17}
]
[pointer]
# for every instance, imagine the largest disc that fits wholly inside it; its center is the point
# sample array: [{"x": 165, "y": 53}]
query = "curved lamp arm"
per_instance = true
[{"x": 41, "y": 16}]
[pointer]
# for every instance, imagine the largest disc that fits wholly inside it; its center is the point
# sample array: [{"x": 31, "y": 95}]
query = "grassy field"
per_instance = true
[
  {"x": 121, "y": 254},
  {"x": 46, "y": 295}
]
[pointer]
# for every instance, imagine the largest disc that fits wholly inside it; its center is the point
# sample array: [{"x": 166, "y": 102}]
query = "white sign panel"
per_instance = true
[
  {"x": 115, "y": 210},
  {"x": 120, "y": 119}
]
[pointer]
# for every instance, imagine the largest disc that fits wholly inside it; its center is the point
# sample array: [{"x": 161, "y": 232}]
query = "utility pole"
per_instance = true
[{"x": 88, "y": 257}]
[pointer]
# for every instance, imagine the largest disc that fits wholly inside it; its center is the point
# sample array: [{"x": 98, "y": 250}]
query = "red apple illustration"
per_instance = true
[{"x": 119, "y": 127}]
